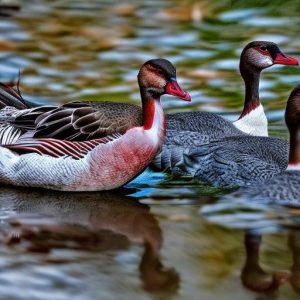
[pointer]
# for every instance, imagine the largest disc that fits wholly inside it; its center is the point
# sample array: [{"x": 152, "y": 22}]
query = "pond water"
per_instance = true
[{"x": 167, "y": 241}]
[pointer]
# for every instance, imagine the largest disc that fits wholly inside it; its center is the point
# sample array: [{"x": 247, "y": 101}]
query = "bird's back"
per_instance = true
[{"x": 236, "y": 161}]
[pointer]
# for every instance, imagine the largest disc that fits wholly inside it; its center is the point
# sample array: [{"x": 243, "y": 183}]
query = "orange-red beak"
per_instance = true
[
  {"x": 281, "y": 59},
  {"x": 174, "y": 89}
]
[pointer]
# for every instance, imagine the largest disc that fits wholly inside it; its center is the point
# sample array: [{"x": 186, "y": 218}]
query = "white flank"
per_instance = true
[{"x": 254, "y": 123}]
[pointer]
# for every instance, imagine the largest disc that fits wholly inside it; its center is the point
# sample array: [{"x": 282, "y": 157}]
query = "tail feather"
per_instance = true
[{"x": 10, "y": 96}]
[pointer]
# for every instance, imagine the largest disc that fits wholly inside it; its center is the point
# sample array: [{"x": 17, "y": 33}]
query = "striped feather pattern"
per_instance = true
[
  {"x": 79, "y": 121},
  {"x": 59, "y": 148},
  {"x": 9, "y": 134}
]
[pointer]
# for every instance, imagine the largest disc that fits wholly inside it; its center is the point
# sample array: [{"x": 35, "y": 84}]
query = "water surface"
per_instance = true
[{"x": 172, "y": 241}]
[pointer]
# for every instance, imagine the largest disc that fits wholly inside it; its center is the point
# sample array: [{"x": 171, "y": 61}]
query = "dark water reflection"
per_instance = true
[
  {"x": 172, "y": 241},
  {"x": 75, "y": 234}
]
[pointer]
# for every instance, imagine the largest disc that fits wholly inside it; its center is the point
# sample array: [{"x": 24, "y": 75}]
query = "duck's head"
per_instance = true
[
  {"x": 158, "y": 77},
  {"x": 292, "y": 112},
  {"x": 292, "y": 119},
  {"x": 259, "y": 55}
]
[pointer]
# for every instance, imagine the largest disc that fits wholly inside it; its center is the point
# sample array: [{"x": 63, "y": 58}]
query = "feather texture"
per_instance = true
[
  {"x": 235, "y": 161},
  {"x": 10, "y": 96},
  {"x": 9, "y": 134},
  {"x": 58, "y": 148},
  {"x": 80, "y": 121}
]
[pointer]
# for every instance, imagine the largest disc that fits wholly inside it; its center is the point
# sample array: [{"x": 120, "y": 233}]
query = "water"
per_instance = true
[{"x": 167, "y": 241}]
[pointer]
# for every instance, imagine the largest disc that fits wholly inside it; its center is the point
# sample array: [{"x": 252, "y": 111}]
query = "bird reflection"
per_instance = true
[
  {"x": 255, "y": 278},
  {"x": 44, "y": 220}
]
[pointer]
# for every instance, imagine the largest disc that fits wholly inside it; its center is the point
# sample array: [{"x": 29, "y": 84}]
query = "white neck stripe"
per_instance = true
[
  {"x": 293, "y": 167},
  {"x": 254, "y": 123}
]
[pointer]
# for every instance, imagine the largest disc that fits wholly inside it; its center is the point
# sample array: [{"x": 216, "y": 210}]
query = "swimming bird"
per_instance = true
[
  {"x": 246, "y": 160},
  {"x": 123, "y": 144},
  {"x": 82, "y": 120},
  {"x": 255, "y": 57},
  {"x": 283, "y": 189},
  {"x": 188, "y": 129}
]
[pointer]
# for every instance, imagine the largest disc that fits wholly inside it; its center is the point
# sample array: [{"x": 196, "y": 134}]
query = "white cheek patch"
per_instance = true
[
  {"x": 258, "y": 59},
  {"x": 265, "y": 61}
]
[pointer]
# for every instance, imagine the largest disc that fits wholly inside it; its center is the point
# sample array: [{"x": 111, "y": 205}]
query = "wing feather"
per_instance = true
[
  {"x": 9, "y": 134},
  {"x": 58, "y": 148},
  {"x": 80, "y": 121}
]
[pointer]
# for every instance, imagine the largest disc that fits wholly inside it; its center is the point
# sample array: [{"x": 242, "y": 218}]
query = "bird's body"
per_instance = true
[
  {"x": 236, "y": 161},
  {"x": 284, "y": 188},
  {"x": 106, "y": 166},
  {"x": 78, "y": 147},
  {"x": 187, "y": 130}
]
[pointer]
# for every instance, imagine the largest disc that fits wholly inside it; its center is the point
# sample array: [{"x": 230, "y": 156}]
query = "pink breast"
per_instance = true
[{"x": 113, "y": 164}]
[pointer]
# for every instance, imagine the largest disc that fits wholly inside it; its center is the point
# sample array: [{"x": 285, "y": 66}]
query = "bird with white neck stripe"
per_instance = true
[
  {"x": 249, "y": 160},
  {"x": 284, "y": 188},
  {"x": 193, "y": 129}
]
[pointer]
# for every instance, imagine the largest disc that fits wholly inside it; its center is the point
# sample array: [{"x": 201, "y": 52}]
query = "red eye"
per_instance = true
[{"x": 263, "y": 50}]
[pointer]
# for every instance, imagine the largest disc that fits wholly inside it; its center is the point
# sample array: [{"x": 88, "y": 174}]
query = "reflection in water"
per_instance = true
[
  {"x": 255, "y": 278},
  {"x": 294, "y": 244},
  {"x": 41, "y": 221}
]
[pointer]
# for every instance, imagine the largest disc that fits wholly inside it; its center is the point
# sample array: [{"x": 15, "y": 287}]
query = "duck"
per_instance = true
[
  {"x": 125, "y": 142},
  {"x": 282, "y": 189},
  {"x": 193, "y": 129},
  {"x": 249, "y": 160}
]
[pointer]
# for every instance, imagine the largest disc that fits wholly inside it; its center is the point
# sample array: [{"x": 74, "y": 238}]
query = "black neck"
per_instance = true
[{"x": 251, "y": 79}]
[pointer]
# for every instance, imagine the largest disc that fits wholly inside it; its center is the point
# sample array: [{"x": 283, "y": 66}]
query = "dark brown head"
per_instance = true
[
  {"x": 292, "y": 119},
  {"x": 292, "y": 112},
  {"x": 158, "y": 77},
  {"x": 259, "y": 55}
]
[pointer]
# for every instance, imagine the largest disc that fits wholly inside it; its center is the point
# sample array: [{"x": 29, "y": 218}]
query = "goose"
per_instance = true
[
  {"x": 192, "y": 129},
  {"x": 284, "y": 188},
  {"x": 249, "y": 160},
  {"x": 124, "y": 143}
]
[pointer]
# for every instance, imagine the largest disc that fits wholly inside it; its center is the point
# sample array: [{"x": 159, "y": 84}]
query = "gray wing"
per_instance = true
[
  {"x": 175, "y": 145},
  {"x": 190, "y": 129},
  {"x": 208, "y": 124},
  {"x": 235, "y": 161},
  {"x": 282, "y": 189}
]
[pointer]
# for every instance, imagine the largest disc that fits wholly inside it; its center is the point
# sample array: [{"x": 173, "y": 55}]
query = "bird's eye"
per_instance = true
[
  {"x": 160, "y": 73},
  {"x": 263, "y": 50}
]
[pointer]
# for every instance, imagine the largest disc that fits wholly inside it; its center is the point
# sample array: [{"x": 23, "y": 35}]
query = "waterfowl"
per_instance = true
[
  {"x": 103, "y": 153},
  {"x": 255, "y": 57},
  {"x": 245, "y": 160},
  {"x": 284, "y": 188},
  {"x": 188, "y": 129}
]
